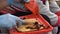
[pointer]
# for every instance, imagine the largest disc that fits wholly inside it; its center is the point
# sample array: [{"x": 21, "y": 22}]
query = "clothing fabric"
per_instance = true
[
  {"x": 11, "y": 1},
  {"x": 21, "y": 11},
  {"x": 17, "y": 9}
]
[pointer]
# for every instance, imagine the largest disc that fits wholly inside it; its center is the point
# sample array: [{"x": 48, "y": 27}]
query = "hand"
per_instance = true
[{"x": 30, "y": 20}]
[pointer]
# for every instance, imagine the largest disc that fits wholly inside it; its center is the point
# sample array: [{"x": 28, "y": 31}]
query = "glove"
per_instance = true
[
  {"x": 9, "y": 21},
  {"x": 54, "y": 7},
  {"x": 43, "y": 9},
  {"x": 58, "y": 22}
]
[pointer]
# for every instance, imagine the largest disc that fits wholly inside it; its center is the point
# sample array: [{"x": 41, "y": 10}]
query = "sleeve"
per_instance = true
[{"x": 43, "y": 10}]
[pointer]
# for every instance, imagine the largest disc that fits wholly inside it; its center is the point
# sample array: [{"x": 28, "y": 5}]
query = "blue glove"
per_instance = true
[{"x": 9, "y": 21}]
